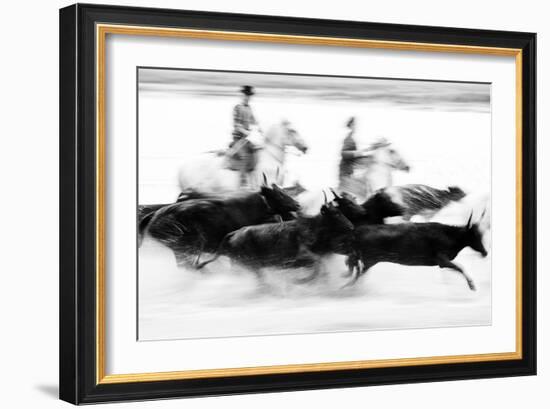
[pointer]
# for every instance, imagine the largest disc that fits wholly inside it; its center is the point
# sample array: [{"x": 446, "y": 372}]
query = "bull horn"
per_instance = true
[
  {"x": 277, "y": 175},
  {"x": 469, "y": 223},
  {"x": 265, "y": 178},
  {"x": 325, "y": 196},
  {"x": 334, "y": 193}
]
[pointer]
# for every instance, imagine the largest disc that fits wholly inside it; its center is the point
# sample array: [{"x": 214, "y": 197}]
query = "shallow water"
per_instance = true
[{"x": 225, "y": 300}]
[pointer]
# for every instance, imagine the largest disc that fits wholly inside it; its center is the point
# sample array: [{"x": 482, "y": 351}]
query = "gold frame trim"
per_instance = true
[{"x": 101, "y": 33}]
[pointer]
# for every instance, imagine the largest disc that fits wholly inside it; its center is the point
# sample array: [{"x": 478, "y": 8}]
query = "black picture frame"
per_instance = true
[{"x": 78, "y": 236}]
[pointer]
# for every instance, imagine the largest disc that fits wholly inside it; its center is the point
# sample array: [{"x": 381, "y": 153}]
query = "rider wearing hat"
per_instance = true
[
  {"x": 242, "y": 152},
  {"x": 350, "y": 160}
]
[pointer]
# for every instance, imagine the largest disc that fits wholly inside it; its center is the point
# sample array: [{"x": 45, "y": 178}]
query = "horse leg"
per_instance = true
[
  {"x": 368, "y": 186},
  {"x": 389, "y": 181},
  {"x": 242, "y": 178},
  {"x": 444, "y": 262}
]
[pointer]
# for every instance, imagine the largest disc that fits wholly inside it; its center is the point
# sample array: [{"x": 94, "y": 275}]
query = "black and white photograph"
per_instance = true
[
  {"x": 256, "y": 201},
  {"x": 280, "y": 203}
]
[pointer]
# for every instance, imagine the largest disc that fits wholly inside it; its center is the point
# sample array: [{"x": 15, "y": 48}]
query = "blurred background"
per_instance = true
[{"x": 442, "y": 129}]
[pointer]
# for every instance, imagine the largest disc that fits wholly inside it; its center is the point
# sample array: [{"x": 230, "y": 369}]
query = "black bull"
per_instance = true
[
  {"x": 291, "y": 244},
  {"x": 422, "y": 199},
  {"x": 373, "y": 211},
  {"x": 405, "y": 201},
  {"x": 191, "y": 227},
  {"x": 415, "y": 244},
  {"x": 146, "y": 212}
]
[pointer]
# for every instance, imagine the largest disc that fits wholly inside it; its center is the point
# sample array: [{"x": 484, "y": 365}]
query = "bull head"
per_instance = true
[{"x": 336, "y": 197}]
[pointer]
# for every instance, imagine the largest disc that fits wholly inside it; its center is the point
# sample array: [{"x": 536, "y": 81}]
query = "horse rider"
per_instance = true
[
  {"x": 242, "y": 153},
  {"x": 350, "y": 159}
]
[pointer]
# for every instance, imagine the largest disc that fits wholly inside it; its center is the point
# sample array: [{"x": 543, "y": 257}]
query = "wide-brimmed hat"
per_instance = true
[{"x": 247, "y": 90}]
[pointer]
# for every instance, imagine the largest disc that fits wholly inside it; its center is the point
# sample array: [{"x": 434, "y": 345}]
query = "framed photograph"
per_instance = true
[{"x": 257, "y": 204}]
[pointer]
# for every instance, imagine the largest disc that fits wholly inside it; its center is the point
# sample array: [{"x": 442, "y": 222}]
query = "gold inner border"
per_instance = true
[{"x": 101, "y": 33}]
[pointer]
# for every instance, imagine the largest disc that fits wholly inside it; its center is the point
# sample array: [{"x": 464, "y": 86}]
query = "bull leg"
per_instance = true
[
  {"x": 351, "y": 282},
  {"x": 360, "y": 269},
  {"x": 198, "y": 266},
  {"x": 181, "y": 259},
  {"x": 310, "y": 277},
  {"x": 219, "y": 252},
  {"x": 242, "y": 178},
  {"x": 306, "y": 257},
  {"x": 444, "y": 262},
  {"x": 352, "y": 261},
  {"x": 355, "y": 276},
  {"x": 350, "y": 266},
  {"x": 198, "y": 258},
  {"x": 365, "y": 266},
  {"x": 262, "y": 284}
]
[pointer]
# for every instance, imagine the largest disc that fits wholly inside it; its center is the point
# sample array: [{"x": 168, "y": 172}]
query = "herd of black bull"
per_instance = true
[{"x": 262, "y": 229}]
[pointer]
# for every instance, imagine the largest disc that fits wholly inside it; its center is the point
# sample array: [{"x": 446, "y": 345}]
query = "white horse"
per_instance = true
[
  {"x": 371, "y": 173},
  {"x": 376, "y": 170},
  {"x": 208, "y": 171}
]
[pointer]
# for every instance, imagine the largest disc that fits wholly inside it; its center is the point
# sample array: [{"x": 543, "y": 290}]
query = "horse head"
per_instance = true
[
  {"x": 279, "y": 200},
  {"x": 292, "y": 137},
  {"x": 385, "y": 153}
]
